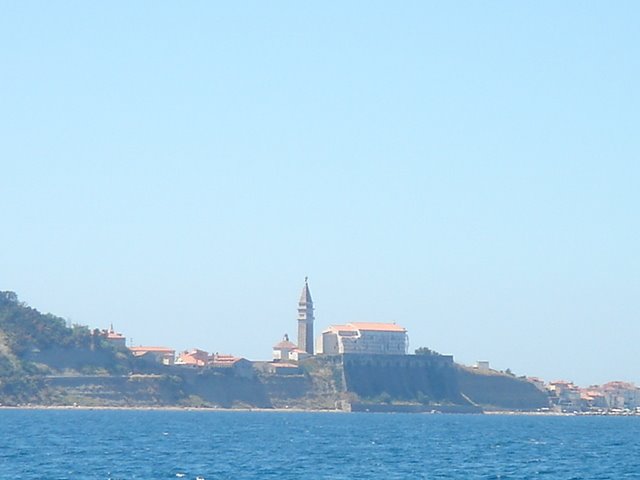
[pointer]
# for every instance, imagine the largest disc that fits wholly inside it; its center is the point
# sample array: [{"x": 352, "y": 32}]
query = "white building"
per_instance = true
[
  {"x": 163, "y": 355},
  {"x": 282, "y": 350},
  {"x": 286, "y": 350},
  {"x": 367, "y": 338},
  {"x": 482, "y": 365},
  {"x": 621, "y": 395}
]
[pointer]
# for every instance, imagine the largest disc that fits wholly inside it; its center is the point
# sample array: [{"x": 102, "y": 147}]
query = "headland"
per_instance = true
[{"x": 355, "y": 367}]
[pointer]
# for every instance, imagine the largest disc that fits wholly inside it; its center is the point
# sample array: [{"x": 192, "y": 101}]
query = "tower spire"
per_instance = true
[
  {"x": 305, "y": 296},
  {"x": 305, "y": 319}
]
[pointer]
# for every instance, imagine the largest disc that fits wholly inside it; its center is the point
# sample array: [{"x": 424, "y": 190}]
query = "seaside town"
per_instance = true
[{"x": 615, "y": 397}]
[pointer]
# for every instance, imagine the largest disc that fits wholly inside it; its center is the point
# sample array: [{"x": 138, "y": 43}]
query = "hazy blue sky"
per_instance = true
[{"x": 469, "y": 170}]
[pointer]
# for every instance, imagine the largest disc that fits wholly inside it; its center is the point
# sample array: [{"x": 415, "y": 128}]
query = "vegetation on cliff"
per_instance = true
[
  {"x": 44, "y": 361},
  {"x": 33, "y": 344}
]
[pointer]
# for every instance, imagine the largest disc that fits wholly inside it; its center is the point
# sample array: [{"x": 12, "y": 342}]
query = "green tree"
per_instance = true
[{"x": 425, "y": 351}]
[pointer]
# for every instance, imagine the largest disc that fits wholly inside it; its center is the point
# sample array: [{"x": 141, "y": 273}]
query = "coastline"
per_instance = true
[{"x": 169, "y": 408}]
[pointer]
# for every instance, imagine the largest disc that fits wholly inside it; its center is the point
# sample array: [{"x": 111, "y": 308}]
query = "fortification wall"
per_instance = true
[
  {"x": 421, "y": 378},
  {"x": 324, "y": 382},
  {"x": 494, "y": 390}
]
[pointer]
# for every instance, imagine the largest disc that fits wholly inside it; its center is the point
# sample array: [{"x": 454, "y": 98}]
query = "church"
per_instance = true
[
  {"x": 356, "y": 337},
  {"x": 286, "y": 350}
]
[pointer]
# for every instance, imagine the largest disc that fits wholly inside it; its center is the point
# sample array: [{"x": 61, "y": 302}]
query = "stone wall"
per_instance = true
[
  {"x": 421, "y": 378},
  {"x": 495, "y": 390},
  {"x": 368, "y": 382}
]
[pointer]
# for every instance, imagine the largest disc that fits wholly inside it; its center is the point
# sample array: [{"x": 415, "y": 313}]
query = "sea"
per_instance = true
[{"x": 173, "y": 444}]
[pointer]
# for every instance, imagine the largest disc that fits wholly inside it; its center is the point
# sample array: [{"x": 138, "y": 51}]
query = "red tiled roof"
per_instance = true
[
  {"x": 560, "y": 382},
  {"x": 618, "y": 385},
  {"x": 593, "y": 393},
  {"x": 285, "y": 344},
  {"x": 188, "y": 360},
  {"x": 378, "y": 327},
  {"x": 152, "y": 349},
  {"x": 368, "y": 327},
  {"x": 338, "y": 328},
  {"x": 225, "y": 359}
]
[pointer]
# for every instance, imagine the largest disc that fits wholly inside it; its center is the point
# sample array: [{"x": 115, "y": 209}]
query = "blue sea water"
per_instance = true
[{"x": 107, "y": 444}]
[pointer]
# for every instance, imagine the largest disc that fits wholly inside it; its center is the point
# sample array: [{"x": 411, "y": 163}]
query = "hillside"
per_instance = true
[
  {"x": 43, "y": 361},
  {"x": 33, "y": 344}
]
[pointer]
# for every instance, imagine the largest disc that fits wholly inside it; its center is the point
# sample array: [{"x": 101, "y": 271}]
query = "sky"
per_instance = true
[{"x": 468, "y": 170}]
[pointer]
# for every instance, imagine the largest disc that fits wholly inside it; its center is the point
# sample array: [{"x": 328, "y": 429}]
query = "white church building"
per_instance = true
[
  {"x": 356, "y": 337},
  {"x": 364, "y": 338}
]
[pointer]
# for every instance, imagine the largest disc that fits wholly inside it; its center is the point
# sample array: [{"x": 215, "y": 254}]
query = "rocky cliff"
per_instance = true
[{"x": 42, "y": 361}]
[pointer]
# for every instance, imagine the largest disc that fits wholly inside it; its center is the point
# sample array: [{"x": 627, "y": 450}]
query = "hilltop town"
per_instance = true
[
  {"x": 351, "y": 338},
  {"x": 356, "y": 366}
]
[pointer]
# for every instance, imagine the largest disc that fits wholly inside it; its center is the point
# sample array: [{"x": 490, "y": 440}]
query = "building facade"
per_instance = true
[
  {"x": 163, "y": 355},
  {"x": 365, "y": 338},
  {"x": 194, "y": 357},
  {"x": 238, "y": 366},
  {"x": 114, "y": 338},
  {"x": 282, "y": 350}
]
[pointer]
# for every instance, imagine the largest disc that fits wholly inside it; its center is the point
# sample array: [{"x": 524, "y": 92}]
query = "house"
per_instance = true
[
  {"x": 566, "y": 395},
  {"x": 365, "y": 338},
  {"x": 163, "y": 355},
  {"x": 482, "y": 366},
  {"x": 193, "y": 357},
  {"x": 593, "y": 399},
  {"x": 237, "y": 365},
  {"x": 621, "y": 395},
  {"x": 282, "y": 351},
  {"x": 114, "y": 338}
]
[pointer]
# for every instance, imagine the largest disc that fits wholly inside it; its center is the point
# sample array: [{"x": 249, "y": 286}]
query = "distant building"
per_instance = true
[
  {"x": 114, "y": 338},
  {"x": 565, "y": 395},
  {"x": 283, "y": 349},
  {"x": 194, "y": 357},
  {"x": 593, "y": 399},
  {"x": 237, "y": 365},
  {"x": 369, "y": 338},
  {"x": 621, "y": 395},
  {"x": 483, "y": 365},
  {"x": 297, "y": 355},
  {"x": 163, "y": 355},
  {"x": 305, "y": 319}
]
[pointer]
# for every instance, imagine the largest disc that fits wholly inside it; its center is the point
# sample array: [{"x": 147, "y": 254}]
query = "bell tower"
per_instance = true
[{"x": 305, "y": 319}]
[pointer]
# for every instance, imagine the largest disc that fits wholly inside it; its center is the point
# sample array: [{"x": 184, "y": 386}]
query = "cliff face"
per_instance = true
[
  {"x": 358, "y": 382},
  {"x": 431, "y": 381},
  {"x": 34, "y": 345},
  {"x": 43, "y": 361},
  {"x": 418, "y": 378},
  {"x": 494, "y": 390}
]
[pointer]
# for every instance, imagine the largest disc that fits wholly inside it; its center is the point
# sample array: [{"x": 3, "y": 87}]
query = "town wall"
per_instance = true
[
  {"x": 351, "y": 381},
  {"x": 495, "y": 390},
  {"x": 422, "y": 378}
]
